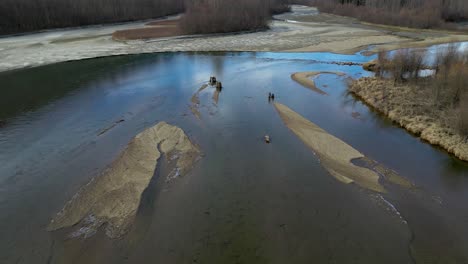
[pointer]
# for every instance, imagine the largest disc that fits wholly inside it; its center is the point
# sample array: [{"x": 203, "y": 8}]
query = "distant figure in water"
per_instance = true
[
  {"x": 267, "y": 139},
  {"x": 271, "y": 97},
  {"x": 213, "y": 80}
]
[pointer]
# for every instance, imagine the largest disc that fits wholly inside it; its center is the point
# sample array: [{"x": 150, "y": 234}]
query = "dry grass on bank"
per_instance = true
[{"x": 434, "y": 108}]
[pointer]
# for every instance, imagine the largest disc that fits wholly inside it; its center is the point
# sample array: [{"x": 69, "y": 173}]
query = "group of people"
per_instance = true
[{"x": 271, "y": 96}]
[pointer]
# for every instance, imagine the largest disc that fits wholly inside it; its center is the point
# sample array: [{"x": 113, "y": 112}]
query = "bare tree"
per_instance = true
[
  {"x": 28, "y": 15},
  {"x": 210, "y": 16},
  {"x": 410, "y": 13}
]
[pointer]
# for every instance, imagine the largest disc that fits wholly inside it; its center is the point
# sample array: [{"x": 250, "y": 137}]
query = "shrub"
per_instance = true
[{"x": 406, "y": 64}]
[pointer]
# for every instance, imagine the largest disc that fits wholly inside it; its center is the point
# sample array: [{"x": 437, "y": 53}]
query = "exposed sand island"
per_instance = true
[
  {"x": 410, "y": 107},
  {"x": 114, "y": 196},
  {"x": 304, "y": 79},
  {"x": 336, "y": 155}
]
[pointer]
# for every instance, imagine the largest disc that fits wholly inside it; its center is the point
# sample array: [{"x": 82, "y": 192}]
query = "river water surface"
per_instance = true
[{"x": 245, "y": 201}]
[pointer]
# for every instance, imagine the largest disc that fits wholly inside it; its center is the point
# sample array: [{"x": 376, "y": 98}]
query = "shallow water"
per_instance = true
[{"x": 245, "y": 201}]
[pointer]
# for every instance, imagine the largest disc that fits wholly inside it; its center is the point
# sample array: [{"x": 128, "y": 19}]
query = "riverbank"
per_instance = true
[
  {"x": 302, "y": 30},
  {"x": 412, "y": 109}
]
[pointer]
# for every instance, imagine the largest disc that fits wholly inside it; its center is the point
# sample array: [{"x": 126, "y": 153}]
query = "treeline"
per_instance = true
[
  {"x": 29, "y": 15},
  {"x": 217, "y": 16},
  {"x": 409, "y": 13},
  {"x": 202, "y": 16}
]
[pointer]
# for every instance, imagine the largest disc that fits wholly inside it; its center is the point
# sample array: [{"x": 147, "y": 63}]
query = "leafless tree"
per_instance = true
[
  {"x": 410, "y": 13},
  {"x": 215, "y": 16},
  {"x": 28, "y": 15}
]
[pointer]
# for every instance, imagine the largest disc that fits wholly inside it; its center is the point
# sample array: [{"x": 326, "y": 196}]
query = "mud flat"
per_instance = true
[
  {"x": 410, "y": 108},
  {"x": 113, "y": 197},
  {"x": 304, "y": 79}
]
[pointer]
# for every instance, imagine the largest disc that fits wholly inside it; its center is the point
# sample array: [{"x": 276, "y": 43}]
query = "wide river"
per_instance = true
[{"x": 245, "y": 201}]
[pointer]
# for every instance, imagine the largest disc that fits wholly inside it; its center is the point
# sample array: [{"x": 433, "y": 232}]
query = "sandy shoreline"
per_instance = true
[
  {"x": 303, "y": 30},
  {"x": 394, "y": 104}
]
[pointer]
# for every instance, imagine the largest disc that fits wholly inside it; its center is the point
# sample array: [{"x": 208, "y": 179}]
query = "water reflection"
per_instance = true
[{"x": 273, "y": 201}]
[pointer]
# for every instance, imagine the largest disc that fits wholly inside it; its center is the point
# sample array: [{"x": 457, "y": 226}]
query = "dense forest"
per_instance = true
[
  {"x": 202, "y": 15},
  {"x": 29, "y": 15},
  {"x": 209, "y": 16},
  {"x": 206, "y": 16},
  {"x": 410, "y": 13}
]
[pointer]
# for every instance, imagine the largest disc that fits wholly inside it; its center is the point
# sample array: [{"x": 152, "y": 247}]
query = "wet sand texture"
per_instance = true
[
  {"x": 216, "y": 96},
  {"x": 335, "y": 155},
  {"x": 195, "y": 102},
  {"x": 114, "y": 196}
]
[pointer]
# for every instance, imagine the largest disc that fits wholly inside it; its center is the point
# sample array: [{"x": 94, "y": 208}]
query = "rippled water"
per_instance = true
[{"x": 245, "y": 201}]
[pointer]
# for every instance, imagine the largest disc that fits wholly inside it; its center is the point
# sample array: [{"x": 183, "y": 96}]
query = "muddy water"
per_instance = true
[{"x": 245, "y": 201}]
